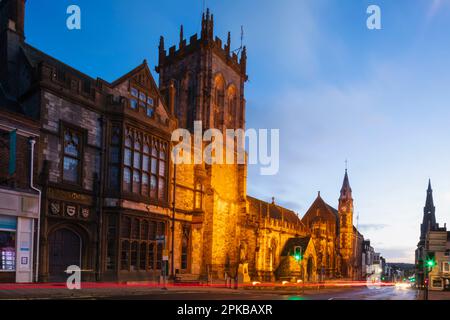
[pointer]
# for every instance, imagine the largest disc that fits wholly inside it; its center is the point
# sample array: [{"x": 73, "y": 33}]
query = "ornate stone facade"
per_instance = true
[{"x": 114, "y": 203}]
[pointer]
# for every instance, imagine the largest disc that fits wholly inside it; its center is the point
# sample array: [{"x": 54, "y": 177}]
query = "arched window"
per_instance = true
[{"x": 219, "y": 100}]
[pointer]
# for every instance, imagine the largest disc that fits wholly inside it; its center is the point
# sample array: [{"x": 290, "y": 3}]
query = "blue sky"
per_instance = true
[{"x": 335, "y": 89}]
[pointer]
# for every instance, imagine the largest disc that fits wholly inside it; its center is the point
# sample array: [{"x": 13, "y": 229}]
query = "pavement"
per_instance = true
[{"x": 99, "y": 291}]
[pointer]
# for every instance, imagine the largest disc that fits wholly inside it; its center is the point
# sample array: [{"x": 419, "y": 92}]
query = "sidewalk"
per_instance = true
[{"x": 435, "y": 295}]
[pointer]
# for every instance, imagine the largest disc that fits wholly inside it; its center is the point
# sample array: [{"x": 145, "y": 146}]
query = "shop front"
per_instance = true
[{"x": 18, "y": 212}]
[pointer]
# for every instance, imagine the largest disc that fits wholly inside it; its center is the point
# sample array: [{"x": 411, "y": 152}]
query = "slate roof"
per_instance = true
[
  {"x": 275, "y": 211},
  {"x": 294, "y": 242}
]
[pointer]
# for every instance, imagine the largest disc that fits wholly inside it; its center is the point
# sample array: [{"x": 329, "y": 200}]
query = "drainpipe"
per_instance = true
[{"x": 32, "y": 143}]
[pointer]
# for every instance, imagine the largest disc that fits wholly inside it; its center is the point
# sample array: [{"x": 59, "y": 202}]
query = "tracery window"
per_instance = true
[
  {"x": 72, "y": 159},
  {"x": 142, "y": 243},
  {"x": 145, "y": 165}
]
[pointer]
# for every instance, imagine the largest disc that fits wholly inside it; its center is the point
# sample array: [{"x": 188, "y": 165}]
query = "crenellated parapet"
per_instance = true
[{"x": 205, "y": 41}]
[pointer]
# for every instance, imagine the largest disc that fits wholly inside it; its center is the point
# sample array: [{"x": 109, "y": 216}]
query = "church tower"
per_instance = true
[
  {"x": 346, "y": 227},
  {"x": 207, "y": 79},
  {"x": 429, "y": 217},
  {"x": 203, "y": 80}
]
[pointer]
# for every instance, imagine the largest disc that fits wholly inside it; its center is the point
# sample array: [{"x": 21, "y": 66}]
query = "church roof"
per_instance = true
[
  {"x": 320, "y": 209},
  {"x": 295, "y": 242},
  {"x": 273, "y": 210}
]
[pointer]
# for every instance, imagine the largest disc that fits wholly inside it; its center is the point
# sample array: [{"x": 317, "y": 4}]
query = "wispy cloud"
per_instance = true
[
  {"x": 372, "y": 226},
  {"x": 435, "y": 6}
]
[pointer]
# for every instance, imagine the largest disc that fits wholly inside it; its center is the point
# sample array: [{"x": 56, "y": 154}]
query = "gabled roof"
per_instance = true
[
  {"x": 321, "y": 209},
  {"x": 142, "y": 68},
  {"x": 274, "y": 211},
  {"x": 294, "y": 242}
]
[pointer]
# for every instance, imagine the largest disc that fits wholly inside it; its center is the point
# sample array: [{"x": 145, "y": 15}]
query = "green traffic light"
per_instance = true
[
  {"x": 430, "y": 263},
  {"x": 298, "y": 257}
]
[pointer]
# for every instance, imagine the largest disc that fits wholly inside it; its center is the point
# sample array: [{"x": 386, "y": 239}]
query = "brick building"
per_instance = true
[{"x": 112, "y": 201}]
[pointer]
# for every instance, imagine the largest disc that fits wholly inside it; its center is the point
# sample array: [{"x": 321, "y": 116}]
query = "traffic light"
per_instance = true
[
  {"x": 430, "y": 262},
  {"x": 298, "y": 253}
]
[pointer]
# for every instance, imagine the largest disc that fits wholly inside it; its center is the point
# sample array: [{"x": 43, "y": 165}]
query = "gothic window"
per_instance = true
[
  {"x": 72, "y": 163},
  {"x": 219, "y": 101},
  {"x": 142, "y": 244},
  {"x": 114, "y": 158},
  {"x": 145, "y": 166},
  {"x": 185, "y": 247}
]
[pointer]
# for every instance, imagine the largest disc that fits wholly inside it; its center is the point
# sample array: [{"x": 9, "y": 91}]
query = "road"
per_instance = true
[
  {"x": 205, "y": 293},
  {"x": 384, "y": 293}
]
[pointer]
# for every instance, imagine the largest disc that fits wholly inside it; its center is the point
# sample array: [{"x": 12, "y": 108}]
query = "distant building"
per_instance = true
[
  {"x": 434, "y": 245},
  {"x": 438, "y": 245}
]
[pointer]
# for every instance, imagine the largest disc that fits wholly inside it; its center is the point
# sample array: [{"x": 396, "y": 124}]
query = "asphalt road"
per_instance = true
[
  {"x": 208, "y": 293},
  {"x": 384, "y": 293}
]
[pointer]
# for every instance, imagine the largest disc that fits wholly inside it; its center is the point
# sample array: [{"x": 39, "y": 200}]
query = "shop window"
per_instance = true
[
  {"x": 72, "y": 156},
  {"x": 7, "y": 243},
  {"x": 445, "y": 267}
]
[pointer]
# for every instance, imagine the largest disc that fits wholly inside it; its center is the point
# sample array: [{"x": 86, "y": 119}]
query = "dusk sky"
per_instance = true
[{"x": 336, "y": 91}]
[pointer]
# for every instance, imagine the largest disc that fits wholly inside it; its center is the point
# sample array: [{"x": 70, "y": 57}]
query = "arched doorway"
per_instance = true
[{"x": 64, "y": 251}]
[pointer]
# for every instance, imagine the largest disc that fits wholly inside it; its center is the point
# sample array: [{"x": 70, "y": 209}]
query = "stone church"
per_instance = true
[{"x": 114, "y": 203}]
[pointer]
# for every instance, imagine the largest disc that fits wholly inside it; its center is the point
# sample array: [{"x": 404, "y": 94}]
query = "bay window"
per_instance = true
[{"x": 145, "y": 165}]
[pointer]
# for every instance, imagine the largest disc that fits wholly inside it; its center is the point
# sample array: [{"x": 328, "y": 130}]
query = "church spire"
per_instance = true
[
  {"x": 429, "y": 214},
  {"x": 346, "y": 190}
]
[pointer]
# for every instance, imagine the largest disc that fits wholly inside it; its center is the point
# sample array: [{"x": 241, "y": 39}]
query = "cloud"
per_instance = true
[
  {"x": 397, "y": 254},
  {"x": 372, "y": 226}
]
